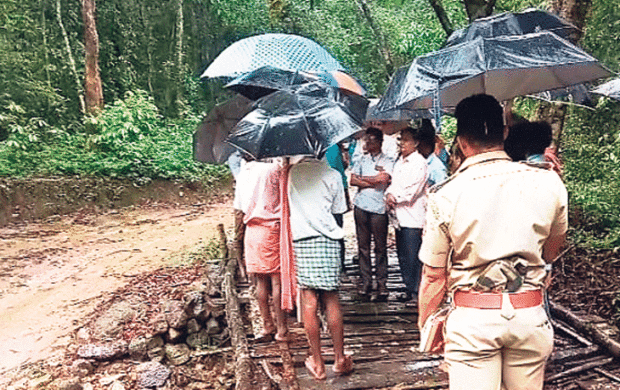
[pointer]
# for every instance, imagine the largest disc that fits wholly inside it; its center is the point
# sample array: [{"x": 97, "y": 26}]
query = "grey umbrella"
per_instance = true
[
  {"x": 610, "y": 89},
  {"x": 504, "y": 67},
  {"x": 514, "y": 23},
  {"x": 209, "y": 145}
]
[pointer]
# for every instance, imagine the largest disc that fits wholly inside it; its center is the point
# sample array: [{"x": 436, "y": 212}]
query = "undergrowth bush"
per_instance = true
[
  {"x": 591, "y": 152},
  {"x": 129, "y": 139}
]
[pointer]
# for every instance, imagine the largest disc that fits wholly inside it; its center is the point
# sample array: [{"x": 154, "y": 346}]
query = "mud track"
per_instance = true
[{"x": 53, "y": 273}]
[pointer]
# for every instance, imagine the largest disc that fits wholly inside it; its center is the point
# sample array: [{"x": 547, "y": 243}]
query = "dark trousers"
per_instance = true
[
  {"x": 340, "y": 221},
  {"x": 371, "y": 226},
  {"x": 408, "y": 242}
]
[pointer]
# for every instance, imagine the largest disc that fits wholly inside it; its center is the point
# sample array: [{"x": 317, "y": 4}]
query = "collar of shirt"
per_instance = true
[
  {"x": 410, "y": 156},
  {"x": 482, "y": 158}
]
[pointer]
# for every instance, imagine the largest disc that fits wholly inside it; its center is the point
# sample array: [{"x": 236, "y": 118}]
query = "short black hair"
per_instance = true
[
  {"x": 425, "y": 133},
  {"x": 480, "y": 119},
  {"x": 527, "y": 138},
  {"x": 375, "y": 132}
]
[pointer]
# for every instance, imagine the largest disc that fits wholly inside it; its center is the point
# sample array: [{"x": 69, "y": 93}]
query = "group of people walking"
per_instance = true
[{"x": 480, "y": 240}]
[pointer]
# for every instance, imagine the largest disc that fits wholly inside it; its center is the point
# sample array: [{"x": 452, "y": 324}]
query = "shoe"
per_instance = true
[
  {"x": 382, "y": 296},
  {"x": 364, "y": 297},
  {"x": 406, "y": 297}
]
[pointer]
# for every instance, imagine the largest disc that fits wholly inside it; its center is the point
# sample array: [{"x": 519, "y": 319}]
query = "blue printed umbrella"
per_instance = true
[{"x": 282, "y": 51}]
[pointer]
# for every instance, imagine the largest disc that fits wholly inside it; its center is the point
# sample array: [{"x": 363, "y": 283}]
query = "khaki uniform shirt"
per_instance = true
[{"x": 493, "y": 208}]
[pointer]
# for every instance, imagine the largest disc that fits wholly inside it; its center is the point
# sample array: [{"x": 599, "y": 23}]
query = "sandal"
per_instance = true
[
  {"x": 346, "y": 368},
  {"x": 312, "y": 370}
]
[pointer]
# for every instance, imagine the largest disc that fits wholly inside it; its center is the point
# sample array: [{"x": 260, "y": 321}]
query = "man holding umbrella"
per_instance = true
[{"x": 492, "y": 231}]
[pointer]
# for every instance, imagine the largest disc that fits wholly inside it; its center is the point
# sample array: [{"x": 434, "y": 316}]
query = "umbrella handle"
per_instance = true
[{"x": 437, "y": 109}]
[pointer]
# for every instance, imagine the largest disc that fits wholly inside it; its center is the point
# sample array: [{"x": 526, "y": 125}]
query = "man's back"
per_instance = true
[{"x": 494, "y": 208}]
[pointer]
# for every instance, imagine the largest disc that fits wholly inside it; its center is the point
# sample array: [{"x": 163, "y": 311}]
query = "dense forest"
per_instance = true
[{"x": 137, "y": 123}]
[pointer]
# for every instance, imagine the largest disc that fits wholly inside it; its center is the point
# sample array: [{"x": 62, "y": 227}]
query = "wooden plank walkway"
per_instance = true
[{"x": 383, "y": 339}]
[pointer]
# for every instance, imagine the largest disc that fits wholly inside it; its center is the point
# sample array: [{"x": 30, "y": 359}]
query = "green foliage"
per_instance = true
[
  {"x": 591, "y": 150},
  {"x": 131, "y": 139},
  {"x": 148, "y": 135}
]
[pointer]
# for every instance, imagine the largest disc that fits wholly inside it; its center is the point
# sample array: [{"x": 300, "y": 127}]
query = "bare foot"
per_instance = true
[
  {"x": 268, "y": 331},
  {"x": 317, "y": 370},
  {"x": 281, "y": 336},
  {"x": 343, "y": 367}
]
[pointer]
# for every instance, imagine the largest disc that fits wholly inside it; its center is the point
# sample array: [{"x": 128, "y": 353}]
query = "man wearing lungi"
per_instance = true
[
  {"x": 316, "y": 193},
  {"x": 262, "y": 241}
]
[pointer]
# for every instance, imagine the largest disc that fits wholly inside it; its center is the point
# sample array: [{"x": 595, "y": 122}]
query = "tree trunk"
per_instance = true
[
  {"x": 383, "y": 47},
  {"x": 149, "y": 46},
  {"x": 92, "y": 78},
  {"x": 442, "y": 16},
  {"x": 179, "y": 59},
  {"x": 478, "y": 8},
  {"x": 78, "y": 84},
  {"x": 575, "y": 12},
  {"x": 45, "y": 49}
]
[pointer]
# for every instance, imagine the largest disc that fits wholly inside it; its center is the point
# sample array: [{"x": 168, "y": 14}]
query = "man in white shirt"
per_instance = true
[
  {"x": 407, "y": 197},
  {"x": 316, "y": 193},
  {"x": 371, "y": 174}
]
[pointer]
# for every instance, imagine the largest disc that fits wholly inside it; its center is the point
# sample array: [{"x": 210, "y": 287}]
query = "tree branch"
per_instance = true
[{"x": 442, "y": 16}]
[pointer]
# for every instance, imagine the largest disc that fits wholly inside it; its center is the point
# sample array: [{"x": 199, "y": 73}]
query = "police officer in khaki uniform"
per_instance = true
[{"x": 492, "y": 231}]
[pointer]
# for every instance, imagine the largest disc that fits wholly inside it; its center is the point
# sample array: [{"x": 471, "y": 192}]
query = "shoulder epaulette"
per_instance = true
[
  {"x": 439, "y": 186},
  {"x": 540, "y": 165}
]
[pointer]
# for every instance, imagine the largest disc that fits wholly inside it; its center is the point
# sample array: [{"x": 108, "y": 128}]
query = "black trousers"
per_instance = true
[
  {"x": 340, "y": 221},
  {"x": 371, "y": 226}
]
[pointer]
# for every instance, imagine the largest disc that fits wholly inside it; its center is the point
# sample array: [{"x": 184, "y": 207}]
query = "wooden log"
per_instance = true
[
  {"x": 581, "y": 368},
  {"x": 608, "y": 374},
  {"x": 560, "y": 326},
  {"x": 244, "y": 371},
  {"x": 569, "y": 355},
  {"x": 223, "y": 245},
  {"x": 612, "y": 346},
  {"x": 288, "y": 368}
]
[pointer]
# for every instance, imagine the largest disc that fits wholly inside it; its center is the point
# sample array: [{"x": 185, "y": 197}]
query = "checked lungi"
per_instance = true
[{"x": 317, "y": 260}]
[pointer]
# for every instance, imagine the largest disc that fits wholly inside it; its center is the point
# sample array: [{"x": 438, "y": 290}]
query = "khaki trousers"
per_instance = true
[{"x": 489, "y": 349}]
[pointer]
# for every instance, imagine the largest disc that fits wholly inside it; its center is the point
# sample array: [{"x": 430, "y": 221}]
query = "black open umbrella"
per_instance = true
[
  {"x": 504, "y": 67},
  {"x": 268, "y": 79},
  {"x": 518, "y": 23},
  {"x": 304, "y": 120}
]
